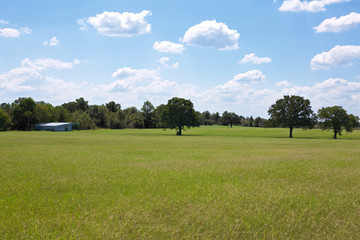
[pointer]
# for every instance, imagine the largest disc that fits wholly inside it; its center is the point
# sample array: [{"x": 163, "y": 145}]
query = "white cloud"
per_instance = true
[
  {"x": 164, "y": 61},
  {"x": 3, "y": 22},
  {"x": 115, "y": 24},
  {"x": 168, "y": 47},
  {"x": 282, "y": 84},
  {"x": 339, "y": 24},
  {"x": 242, "y": 80},
  {"x": 14, "y": 33},
  {"x": 212, "y": 34},
  {"x": 128, "y": 77},
  {"x": 311, "y": 6},
  {"x": 30, "y": 76},
  {"x": 337, "y": 56},
  {"x": 333, "y": 91},
  {"x": 45, "y": 63},
  {"x": 252, "y": 58},
  {"x": 250, "y": 76},
  {"x": 52, "y": 42}
]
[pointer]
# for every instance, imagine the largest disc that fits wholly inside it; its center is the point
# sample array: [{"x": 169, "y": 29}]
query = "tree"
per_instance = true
[
  {"x": 82, "y": 104},
  {"x": 180, "y": 113},
  {"x": 23, "y": 114},
  {"x": 85, "y": 121},
  {"x": 113, "y": 107},
  {"x": 337, "y": 119},
  {"x": 4, "y": 120},
  {"x": 45, "y": 112},
  {"x": 292, "y": 112},
  {"x": 147, "y": 111},
  {"x": 230, "y": 118},
  {"x": 99, "y": 115},
  {"x": 158, "y": 113}
]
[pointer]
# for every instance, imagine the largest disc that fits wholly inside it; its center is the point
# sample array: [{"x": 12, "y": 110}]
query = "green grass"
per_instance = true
[{"x": 211, "y": 183}]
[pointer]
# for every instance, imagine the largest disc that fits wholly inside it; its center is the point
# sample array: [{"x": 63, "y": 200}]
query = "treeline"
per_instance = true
[{"x": 24, "y": 113}]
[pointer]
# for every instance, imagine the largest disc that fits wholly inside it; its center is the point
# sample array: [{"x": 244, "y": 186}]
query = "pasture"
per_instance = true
[{"x": 211, "y": 183}]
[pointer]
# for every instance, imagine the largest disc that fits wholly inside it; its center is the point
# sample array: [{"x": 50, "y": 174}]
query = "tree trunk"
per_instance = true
[
  {"x": 291, "y": 129},
  {"x": 335, "y": 134},
  {"x": 179, "y": 132}
]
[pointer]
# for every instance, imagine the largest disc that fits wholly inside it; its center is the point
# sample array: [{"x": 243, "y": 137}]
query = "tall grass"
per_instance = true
[{"x": 211, "y": 183}]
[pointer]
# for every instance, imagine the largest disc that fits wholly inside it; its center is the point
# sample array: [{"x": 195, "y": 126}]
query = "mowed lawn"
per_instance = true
[{"x": 211, "y": 183}]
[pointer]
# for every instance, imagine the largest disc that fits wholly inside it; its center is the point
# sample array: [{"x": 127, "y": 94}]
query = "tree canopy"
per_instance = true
[
  {"x": 291, "y": 112},
  {"x": 180, "y": 113},
  {"x": 337, "y": 119}
]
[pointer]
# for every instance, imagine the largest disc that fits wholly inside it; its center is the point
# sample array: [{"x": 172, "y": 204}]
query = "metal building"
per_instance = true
[{"x": 56, "y": 126}]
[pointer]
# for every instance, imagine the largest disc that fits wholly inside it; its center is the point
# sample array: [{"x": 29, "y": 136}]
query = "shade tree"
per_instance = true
[
  {"x": 335, "y": 118},
  {"x": 179, "y": 114},
  {"x": 291, "y": 112}
]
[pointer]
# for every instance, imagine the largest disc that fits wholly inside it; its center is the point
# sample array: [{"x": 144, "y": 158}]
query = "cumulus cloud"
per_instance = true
[
  {"x": 52, "y": 42},
  {"x": 337, "y": 56},
  {"x": 32, "y": 76},
  {"x": 164, "y": 61},
  {"x": 333, "y": 91},
  {"x": 282, "y": 84},
  {"x": 339, "y": 24},
  {"x": 212, "y": 34},
  {"x": 115, "y": 24},
  {"x": 14, "y": 33},
  {"x": 252, "y": 58},
  {"x": 168, "y": 47},
  {"x": 307, "y": 6},
  {"x": 45, "y": 63},
  {"x": 242, "y": 80}
]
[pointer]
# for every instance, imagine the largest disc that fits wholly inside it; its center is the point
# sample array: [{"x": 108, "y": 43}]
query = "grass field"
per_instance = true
[{"x": 211, "y": 183}]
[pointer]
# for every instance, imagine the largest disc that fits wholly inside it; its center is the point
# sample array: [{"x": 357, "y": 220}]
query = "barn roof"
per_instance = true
[{"x": 54, "y": 124}]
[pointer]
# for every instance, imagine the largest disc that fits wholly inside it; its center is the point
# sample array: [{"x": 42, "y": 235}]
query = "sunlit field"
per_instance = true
[{"x": 211, "y": 183}]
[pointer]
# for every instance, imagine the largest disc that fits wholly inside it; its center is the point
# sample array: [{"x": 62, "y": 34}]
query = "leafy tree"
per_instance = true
[
  {"x": 99, "y": 115},
  {"x": 158, "y": 112},
  {"x": 147, "y": 110},
  {"x": 82, "y": 104},
  {"x": 115, "y": 120},
  {"x": 292, "y": 112},
  {"x": 70, "y": 106},
  {"x": 63, "y": 115},
  {"x": 230, "y": 119},
  {"x": 4, "y": 121},
  {"x": 215, "y": 117},
  {"x": 86, "y": 122},
  {"x": 180, "y": 113},
  {"x": 259, "y": 122},
  {"x": 337, "y": 119},
  {"x": 23, "y": 114},
  {"x": 113, "y": 107},
  {"x": 205, "y": 118},
  {"x": 45, "y": 112}
]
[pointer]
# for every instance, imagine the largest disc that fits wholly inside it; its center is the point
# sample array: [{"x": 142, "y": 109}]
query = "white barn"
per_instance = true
[{"x": 55, "y": 126}]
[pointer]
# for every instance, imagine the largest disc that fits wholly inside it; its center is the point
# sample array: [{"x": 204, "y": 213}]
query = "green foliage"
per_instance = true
[
  {"x": 292, "y": 112},
  {"x": 45, "y": 112},
  {"x": 4, "y": 121},
  {"x": 99, "y": 114},
  {"x": 113, "y": 107},
  {"x": 337, "y": 119},
  {"x": 180, "y": 113},
  {"x": 148, "y": 113},
  {"x": 134, "y": 120},
  {"x": 230, "y": 119},
  {"x": 158, "y": 112},
  {"x": 23, "y": 115},
  {"x": 86, "y": 122}
]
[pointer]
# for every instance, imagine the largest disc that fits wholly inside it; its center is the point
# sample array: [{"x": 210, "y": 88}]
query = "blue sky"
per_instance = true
[{"x": 237, "y": 56}]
